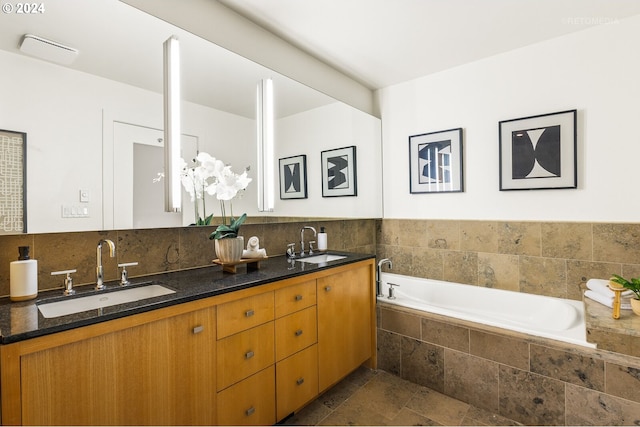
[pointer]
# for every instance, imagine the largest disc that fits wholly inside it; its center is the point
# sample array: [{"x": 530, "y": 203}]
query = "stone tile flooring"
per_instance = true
[{"x": 377, "y": 398}]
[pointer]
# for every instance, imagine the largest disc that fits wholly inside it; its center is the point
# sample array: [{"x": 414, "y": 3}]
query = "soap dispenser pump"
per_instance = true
[
  {"x": 322, "y": 240},
  {"x": 23, "y": 276}
]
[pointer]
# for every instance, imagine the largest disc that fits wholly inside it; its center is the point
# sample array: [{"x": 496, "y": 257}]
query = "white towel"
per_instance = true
[
  {"x": 260, "y": 253},
  {"x": 624, "y": 302},
  {"x": 602, "y": 287}
]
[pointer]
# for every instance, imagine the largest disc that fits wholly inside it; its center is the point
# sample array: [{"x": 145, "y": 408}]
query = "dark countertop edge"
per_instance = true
[{"x": 165, "y": 279}]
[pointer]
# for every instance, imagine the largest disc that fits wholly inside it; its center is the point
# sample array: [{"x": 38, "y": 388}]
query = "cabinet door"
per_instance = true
[
  {"x": 344, "y": 323},
  {"x": 296, "y": 381},
  {"x": 160, "y": 373},
  {"x": 249, "y": 402}
]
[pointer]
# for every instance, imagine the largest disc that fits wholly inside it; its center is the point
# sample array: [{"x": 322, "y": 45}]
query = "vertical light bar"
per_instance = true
[
  {"x": 172, "y": 131},
  {"x": 265, "y": 123}
]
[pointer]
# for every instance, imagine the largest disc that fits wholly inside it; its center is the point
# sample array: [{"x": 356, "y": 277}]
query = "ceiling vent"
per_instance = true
[{"x": 48, "y": 50}]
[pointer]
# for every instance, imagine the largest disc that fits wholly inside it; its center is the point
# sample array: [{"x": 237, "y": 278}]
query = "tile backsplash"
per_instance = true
[{"x": 546, "y": 258}]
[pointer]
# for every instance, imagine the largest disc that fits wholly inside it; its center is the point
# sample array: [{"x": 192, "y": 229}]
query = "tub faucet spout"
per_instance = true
[
  {"x": 99, "y": 270},
  {"x": 378, "y": 281}
]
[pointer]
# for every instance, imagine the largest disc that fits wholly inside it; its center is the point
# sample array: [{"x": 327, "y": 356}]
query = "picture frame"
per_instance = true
[
  {"x": 293, "y": 177},
  {"x": 436, "y": 162},
  {"x": 339, "y": 172},
  {"x": 539, "y": 152},
  {"x": 13, "y": 182}
]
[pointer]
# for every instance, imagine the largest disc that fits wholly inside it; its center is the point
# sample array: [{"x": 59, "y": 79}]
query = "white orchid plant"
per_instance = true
[{"x": 211, "y": 176}]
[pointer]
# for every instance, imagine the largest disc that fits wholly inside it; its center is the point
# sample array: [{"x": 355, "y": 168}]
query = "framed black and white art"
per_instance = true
[
  {"x": 435, "y": 162},
  {"x": 539, "y": 152},
  {"x": 339, "y": 174},
  {"x": 293, "y": 177},
  {"x": 13, "y": 182}
]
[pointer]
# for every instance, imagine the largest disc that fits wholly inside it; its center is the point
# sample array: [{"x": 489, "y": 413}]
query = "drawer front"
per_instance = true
[
  {"x": 249, "y": 402},
  {"x": 244, "y": 354},
  {"x": 295, "y": 332},
  {"x": 295, "y": 298},
  {"x": 240, "y": 315},
  {"x": 296, "y": 381}
]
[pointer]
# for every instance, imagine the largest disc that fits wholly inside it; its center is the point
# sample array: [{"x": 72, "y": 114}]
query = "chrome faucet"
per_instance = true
[
  {"x": 306, "y": 227},
  {"x": 99, "y": 270},
  {"x": 378, "y": 281}
]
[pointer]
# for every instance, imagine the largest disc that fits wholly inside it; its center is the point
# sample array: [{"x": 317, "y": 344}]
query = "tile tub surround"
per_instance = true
[
  {"x": 547, "y": 258},
  {"x": 160, "y": 250},
  {"x": 530, "y": 380}
]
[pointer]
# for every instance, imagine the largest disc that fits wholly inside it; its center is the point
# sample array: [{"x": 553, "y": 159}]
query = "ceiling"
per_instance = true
[{"x": 383, "y": 42}]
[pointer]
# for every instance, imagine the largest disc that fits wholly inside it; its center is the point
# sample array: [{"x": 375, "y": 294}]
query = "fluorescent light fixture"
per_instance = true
[
  {"x": 172, "y": 191},
  {"x": 265, "y": 120}
]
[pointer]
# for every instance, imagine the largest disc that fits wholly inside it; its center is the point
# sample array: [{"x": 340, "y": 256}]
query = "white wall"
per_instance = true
[{"x": 596, "y": 71}]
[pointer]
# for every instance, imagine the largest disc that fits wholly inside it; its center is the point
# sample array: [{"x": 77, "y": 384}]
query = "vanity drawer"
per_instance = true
[
  {"x": 244, "y": 354},
  {"x": 240, "y": 315},
  {"x": 295, "y": 332},
  {"x": 296, "y": 381},
  {"x": 294, "y": 298},
  {"x": 249, "y": 402}
]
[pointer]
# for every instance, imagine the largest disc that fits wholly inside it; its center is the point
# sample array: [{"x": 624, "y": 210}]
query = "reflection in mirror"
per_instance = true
[{"x": 71, "y": 114}]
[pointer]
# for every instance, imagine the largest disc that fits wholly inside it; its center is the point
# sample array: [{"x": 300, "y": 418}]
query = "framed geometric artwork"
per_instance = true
[
  {"x": 293, "y": 177},
  {"x": 13, "y": 182},
  {"x": 435, "y": 162},
  {"x": 339, "y": 175},
  {"x": 539, "y": 152}
]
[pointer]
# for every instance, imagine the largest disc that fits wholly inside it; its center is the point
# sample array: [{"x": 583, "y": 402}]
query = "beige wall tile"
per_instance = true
[
  {"x": 471, "y": 379},
  {"x": 388, "y": 348},
  {"x": 400, "y": 322},
  {"x": 422, "y": 363},
  {"x": 443, "y": 234},
  {"x": 519, "y": 238},
  {"x": 569, "y": 367},
  {"x": 461, "y": 267},
  {"x": 543, "y": 276},
  {"x": 616, "y": 243},
  {"x": 428, "y": 263},
  {"x": 445, "y": 334},
  {"x": 156, "y": 250},
  {"x": 413, "y": 233},
  {"x": 578, "y": 272},
  {"x": 591, "y": 407},
  {"x": 623, "y": 381},
  {"x": 498, "y": 271},
  {"x": 567, "y": 240},
  {"x": 530, "y": 398},
  {"x": 479, "y": 236},
  {"x": 499, "y": 348}
]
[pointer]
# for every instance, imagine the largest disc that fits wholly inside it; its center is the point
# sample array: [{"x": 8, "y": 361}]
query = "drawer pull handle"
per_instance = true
[
  {"x": 327, "y": 288},
  {"x": 299, "y": 381},
  {"x": 249, "y": 313},
  {"x": 198, "y": 329},
  {"x": 298, "y": 332},
  {"x": 249, "y": 354},
  {"x": 298, "y": 297},
  {"x": 250, "y": 411}
]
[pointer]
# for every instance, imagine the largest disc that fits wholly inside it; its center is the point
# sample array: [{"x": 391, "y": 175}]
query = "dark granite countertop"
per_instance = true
[{"x": 23, "y": 320}]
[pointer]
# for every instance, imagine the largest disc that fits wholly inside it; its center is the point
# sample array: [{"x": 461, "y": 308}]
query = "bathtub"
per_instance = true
[{"x": 546, "y": 317}]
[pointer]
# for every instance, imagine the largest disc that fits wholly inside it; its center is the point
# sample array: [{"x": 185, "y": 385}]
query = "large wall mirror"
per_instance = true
[{"x": 94, "y": 126}]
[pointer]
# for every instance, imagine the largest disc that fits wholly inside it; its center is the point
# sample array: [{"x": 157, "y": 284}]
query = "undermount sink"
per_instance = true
[
  {"x": 101, "y": 300},
  {"x": 319, "y": 259}
]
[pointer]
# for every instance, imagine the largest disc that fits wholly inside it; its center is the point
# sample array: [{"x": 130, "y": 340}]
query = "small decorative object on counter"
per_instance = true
[
  {"x": 23, "y": 276},
  {"x": 633, "y": 285},
  {"x": 322, "y": 240},
  {"x": 253, "y": 249}
]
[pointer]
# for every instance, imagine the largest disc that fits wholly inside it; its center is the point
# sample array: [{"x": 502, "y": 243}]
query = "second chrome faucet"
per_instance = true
[{"x": 99, "y": 270}]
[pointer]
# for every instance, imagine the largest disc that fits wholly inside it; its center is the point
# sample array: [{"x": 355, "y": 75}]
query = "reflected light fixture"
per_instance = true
[
  {"x": 265, "y": 121},
  {"x": 172, "y": 191}
]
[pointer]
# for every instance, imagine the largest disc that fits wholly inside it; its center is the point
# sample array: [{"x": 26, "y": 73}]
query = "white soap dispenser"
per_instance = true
[
  {"x": 23, "y": 277},
  {"x": 322, "y": 240}
]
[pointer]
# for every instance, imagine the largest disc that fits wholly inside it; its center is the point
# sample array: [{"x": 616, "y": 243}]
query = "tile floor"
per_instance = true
[{"x": 377, "y": 398}]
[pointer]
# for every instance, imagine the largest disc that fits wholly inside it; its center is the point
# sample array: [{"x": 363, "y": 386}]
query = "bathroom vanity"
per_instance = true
[{"x": 248, "y": 348}]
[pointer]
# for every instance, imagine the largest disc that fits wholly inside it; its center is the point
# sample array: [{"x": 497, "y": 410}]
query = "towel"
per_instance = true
[
  {"x": 260, "y": 253},
  {"x": 625, "y": 304},
  {"x": 602, "y": 287}
]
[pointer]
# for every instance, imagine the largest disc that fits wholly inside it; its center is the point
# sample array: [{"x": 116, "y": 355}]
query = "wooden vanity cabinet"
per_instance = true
[
  {"x": 252, "y": 356},
  {"x": 154, "y": 372}
]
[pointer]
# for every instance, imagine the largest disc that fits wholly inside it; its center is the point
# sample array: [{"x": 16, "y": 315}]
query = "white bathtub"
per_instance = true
[{"x": 547, "y": 317}]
